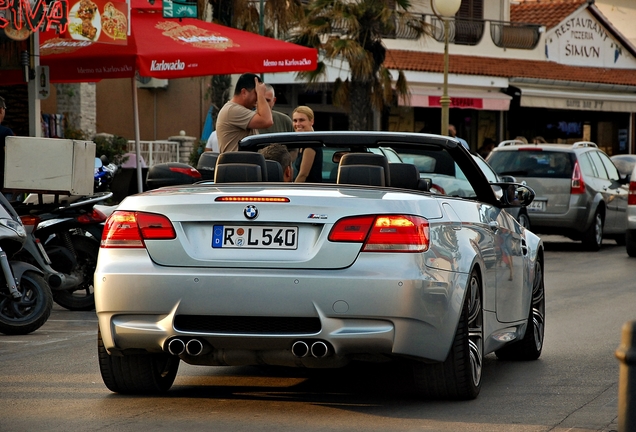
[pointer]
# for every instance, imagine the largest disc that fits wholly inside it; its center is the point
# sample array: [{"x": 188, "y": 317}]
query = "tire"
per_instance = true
[
  {"x": 81, "y": 297},
  {"x": 32, "y": 310},
  {"x": 530, "y": 347},
  {"x": 593, "y": 237},
  {"x": 138, "y": 373},
  {"x": 630, "y": 242},
  {"x": 459, "y": 376}
]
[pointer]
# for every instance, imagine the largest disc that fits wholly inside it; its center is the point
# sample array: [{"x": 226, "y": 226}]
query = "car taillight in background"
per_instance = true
[
  {"x": 384, "y": 233},
  {"x": 631, "y": 197},
  {"x": 578, "y": 185},
  {"x": 126, "y": 229}
]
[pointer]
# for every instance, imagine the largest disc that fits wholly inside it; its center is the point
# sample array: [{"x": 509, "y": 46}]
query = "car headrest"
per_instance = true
[
  {"x": 404, "y": 176},
  {"x": 274, "y": 171},
  {"x": 244, "y": 157},
  {"x": 371, "y": 175},
  {"x": 367, "y": 159},
  {"x": 237, "y": 172}
]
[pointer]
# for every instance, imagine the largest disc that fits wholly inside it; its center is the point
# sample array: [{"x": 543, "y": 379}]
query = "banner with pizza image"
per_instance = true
[{"x": 102, "y": 21}]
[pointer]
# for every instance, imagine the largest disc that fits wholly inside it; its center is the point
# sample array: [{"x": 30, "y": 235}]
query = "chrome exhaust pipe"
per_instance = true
[
  {"x": 300, "y": 349},
  {"x": 194, "y": 347},
  {"x": 176, "y": 347},
  {"x": 319, "y": 349}
]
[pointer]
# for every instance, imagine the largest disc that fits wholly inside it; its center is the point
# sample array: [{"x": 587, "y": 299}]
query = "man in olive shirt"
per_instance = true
[
  {"x": 237, "y": 119},
  {"x": 282, "y": 122}
]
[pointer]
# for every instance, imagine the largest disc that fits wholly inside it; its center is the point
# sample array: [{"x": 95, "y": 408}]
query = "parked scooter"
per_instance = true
[
  {"x": 69, "y": 235},
  {"x": 25, "y": 297}
]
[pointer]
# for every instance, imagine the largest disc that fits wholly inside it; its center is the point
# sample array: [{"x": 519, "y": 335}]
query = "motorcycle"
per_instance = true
[
  {"x": 25, "y": 297},
  {"x": 70, "y": 235}
]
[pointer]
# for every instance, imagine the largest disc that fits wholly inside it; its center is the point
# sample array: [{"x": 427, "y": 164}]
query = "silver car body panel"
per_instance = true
[{"x": 365, "y": 304}]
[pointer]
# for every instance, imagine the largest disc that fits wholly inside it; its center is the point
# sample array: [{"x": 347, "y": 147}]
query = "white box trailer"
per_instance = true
[{"x": 49, "y": 165}]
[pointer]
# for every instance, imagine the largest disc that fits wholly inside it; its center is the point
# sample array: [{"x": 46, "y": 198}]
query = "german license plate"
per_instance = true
[
  {"x": 537, "y": 206},
  {"x": 255, "y": 237}
]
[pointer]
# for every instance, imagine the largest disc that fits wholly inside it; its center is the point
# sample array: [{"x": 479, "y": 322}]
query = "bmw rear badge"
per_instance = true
[{"x": 250, "y": 212}]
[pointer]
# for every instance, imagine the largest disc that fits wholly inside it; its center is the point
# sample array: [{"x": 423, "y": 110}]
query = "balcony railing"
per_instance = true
[
  {"x": 515, "y": 35},
  {"x": 504, "y": 34},
  {"x": 460, "y": 31}
]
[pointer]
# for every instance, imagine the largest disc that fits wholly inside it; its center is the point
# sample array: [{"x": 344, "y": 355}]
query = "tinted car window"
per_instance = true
[
  {"x": 598, "y": 164},
  {"x": 586, "y": 166},
  {"x": 532, "y": 163},
  {"x": 612, "y": 172}
]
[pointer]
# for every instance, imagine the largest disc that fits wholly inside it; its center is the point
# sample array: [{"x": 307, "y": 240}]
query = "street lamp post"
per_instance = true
[{"x": 444, "y": 10}]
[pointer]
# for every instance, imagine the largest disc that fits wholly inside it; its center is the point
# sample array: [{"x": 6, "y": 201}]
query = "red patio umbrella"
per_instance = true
[{"x": 167, "y": 48}]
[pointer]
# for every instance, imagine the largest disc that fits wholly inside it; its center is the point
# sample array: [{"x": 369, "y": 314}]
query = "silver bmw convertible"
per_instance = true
[{"x": 380, "y": 266}]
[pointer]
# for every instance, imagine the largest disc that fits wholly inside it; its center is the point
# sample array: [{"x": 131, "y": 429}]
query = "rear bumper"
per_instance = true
[
  {"x": 360, "y": 310},
  {"x": 574, "y": 220}
]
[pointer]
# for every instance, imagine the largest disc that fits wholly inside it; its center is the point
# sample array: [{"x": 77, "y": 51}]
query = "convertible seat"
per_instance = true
[
  {"x": 404, "y": 176},
  {"x": 359, "y": 175},
  {"x": 240, "y": 167},
  {"x": 274, "y": 171}
]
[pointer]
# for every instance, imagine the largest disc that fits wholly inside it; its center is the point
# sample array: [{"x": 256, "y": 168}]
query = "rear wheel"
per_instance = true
[
  {"x": 530, "y": 347},
  {"x": 81, "y": 297},
  {"x": 138, "y": 373},
  {"x": 593, "y": 237},
  {"x": 29, "y": 312},
  {"x": 459, "y": 376}
]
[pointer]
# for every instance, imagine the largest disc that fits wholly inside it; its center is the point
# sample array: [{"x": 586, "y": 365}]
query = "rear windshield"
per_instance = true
[{"x": 532, "y": 163}]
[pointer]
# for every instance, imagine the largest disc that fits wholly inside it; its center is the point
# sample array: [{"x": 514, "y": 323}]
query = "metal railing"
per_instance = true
[
  {"x": 460, "y": 31},
  {"x": 154, "y": 152},
  {"x": 504, "y": 34},
  {"x": 515, "y": 35}
]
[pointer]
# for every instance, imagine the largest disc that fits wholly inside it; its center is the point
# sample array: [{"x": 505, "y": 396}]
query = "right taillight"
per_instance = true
[
  {"x": 631, "y": 197},
  {"x": 125, "y": 229},
  {"x": 578, "y": 185},
  {"x": 384, "y": 233}
]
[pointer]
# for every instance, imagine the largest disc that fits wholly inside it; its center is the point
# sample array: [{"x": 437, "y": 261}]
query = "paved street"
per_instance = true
[{"x": 49, "y": 380}]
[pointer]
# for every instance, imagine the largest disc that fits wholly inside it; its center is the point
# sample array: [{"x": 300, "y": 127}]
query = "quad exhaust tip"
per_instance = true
[{"x": 317, "y": 349}]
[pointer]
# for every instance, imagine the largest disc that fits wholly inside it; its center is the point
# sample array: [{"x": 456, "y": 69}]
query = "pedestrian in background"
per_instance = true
[
  {"x": 452, "y": 132},
  {"x": 212, "y": 144},
  {"x": 237, "y": 119},
  {"x": 310, "y": 168},
  {"x": 4, "y": 133},
  {"x": 486, "y": 147},
  {"x": 539, "y": 140},
  {"x": 282, "y": 122},
  {"x": 280, "y": 154},
  {"x": 522, "y": 139}
]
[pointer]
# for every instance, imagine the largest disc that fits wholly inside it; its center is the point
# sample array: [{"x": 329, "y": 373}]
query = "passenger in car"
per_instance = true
[{"x": 280, "y": 154}]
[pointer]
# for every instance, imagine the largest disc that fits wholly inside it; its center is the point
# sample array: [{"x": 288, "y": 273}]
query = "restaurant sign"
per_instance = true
[{"x": 104, "y": 21}]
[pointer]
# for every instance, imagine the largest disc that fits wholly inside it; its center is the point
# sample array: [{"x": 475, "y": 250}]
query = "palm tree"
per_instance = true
[{"x": 352, "y": 30}]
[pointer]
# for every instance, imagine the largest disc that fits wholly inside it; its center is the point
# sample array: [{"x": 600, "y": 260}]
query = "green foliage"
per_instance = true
[
  {"x": 353, "y": 31},
  {"x": 198, "y": 147},
  {"x": 113, "y": 147}
]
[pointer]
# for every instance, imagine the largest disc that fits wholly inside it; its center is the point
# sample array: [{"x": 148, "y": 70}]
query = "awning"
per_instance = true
[
  {"x": 544, "y": 97},
  {"x": 490, "y": 100}
]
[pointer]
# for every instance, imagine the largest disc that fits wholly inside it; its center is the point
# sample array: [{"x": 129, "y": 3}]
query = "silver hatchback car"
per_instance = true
[{"x": 579, "y": 191}]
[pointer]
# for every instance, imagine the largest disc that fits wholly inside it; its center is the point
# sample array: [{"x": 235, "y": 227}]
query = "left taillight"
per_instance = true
[
  {"x": 125, "y": 229},
  {"x": 578, "y": 185},
  {"x": 384, "y": 233}
]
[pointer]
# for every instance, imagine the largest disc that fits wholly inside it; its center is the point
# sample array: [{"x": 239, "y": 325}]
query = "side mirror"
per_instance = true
[{"x": 513, "y": 194}]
